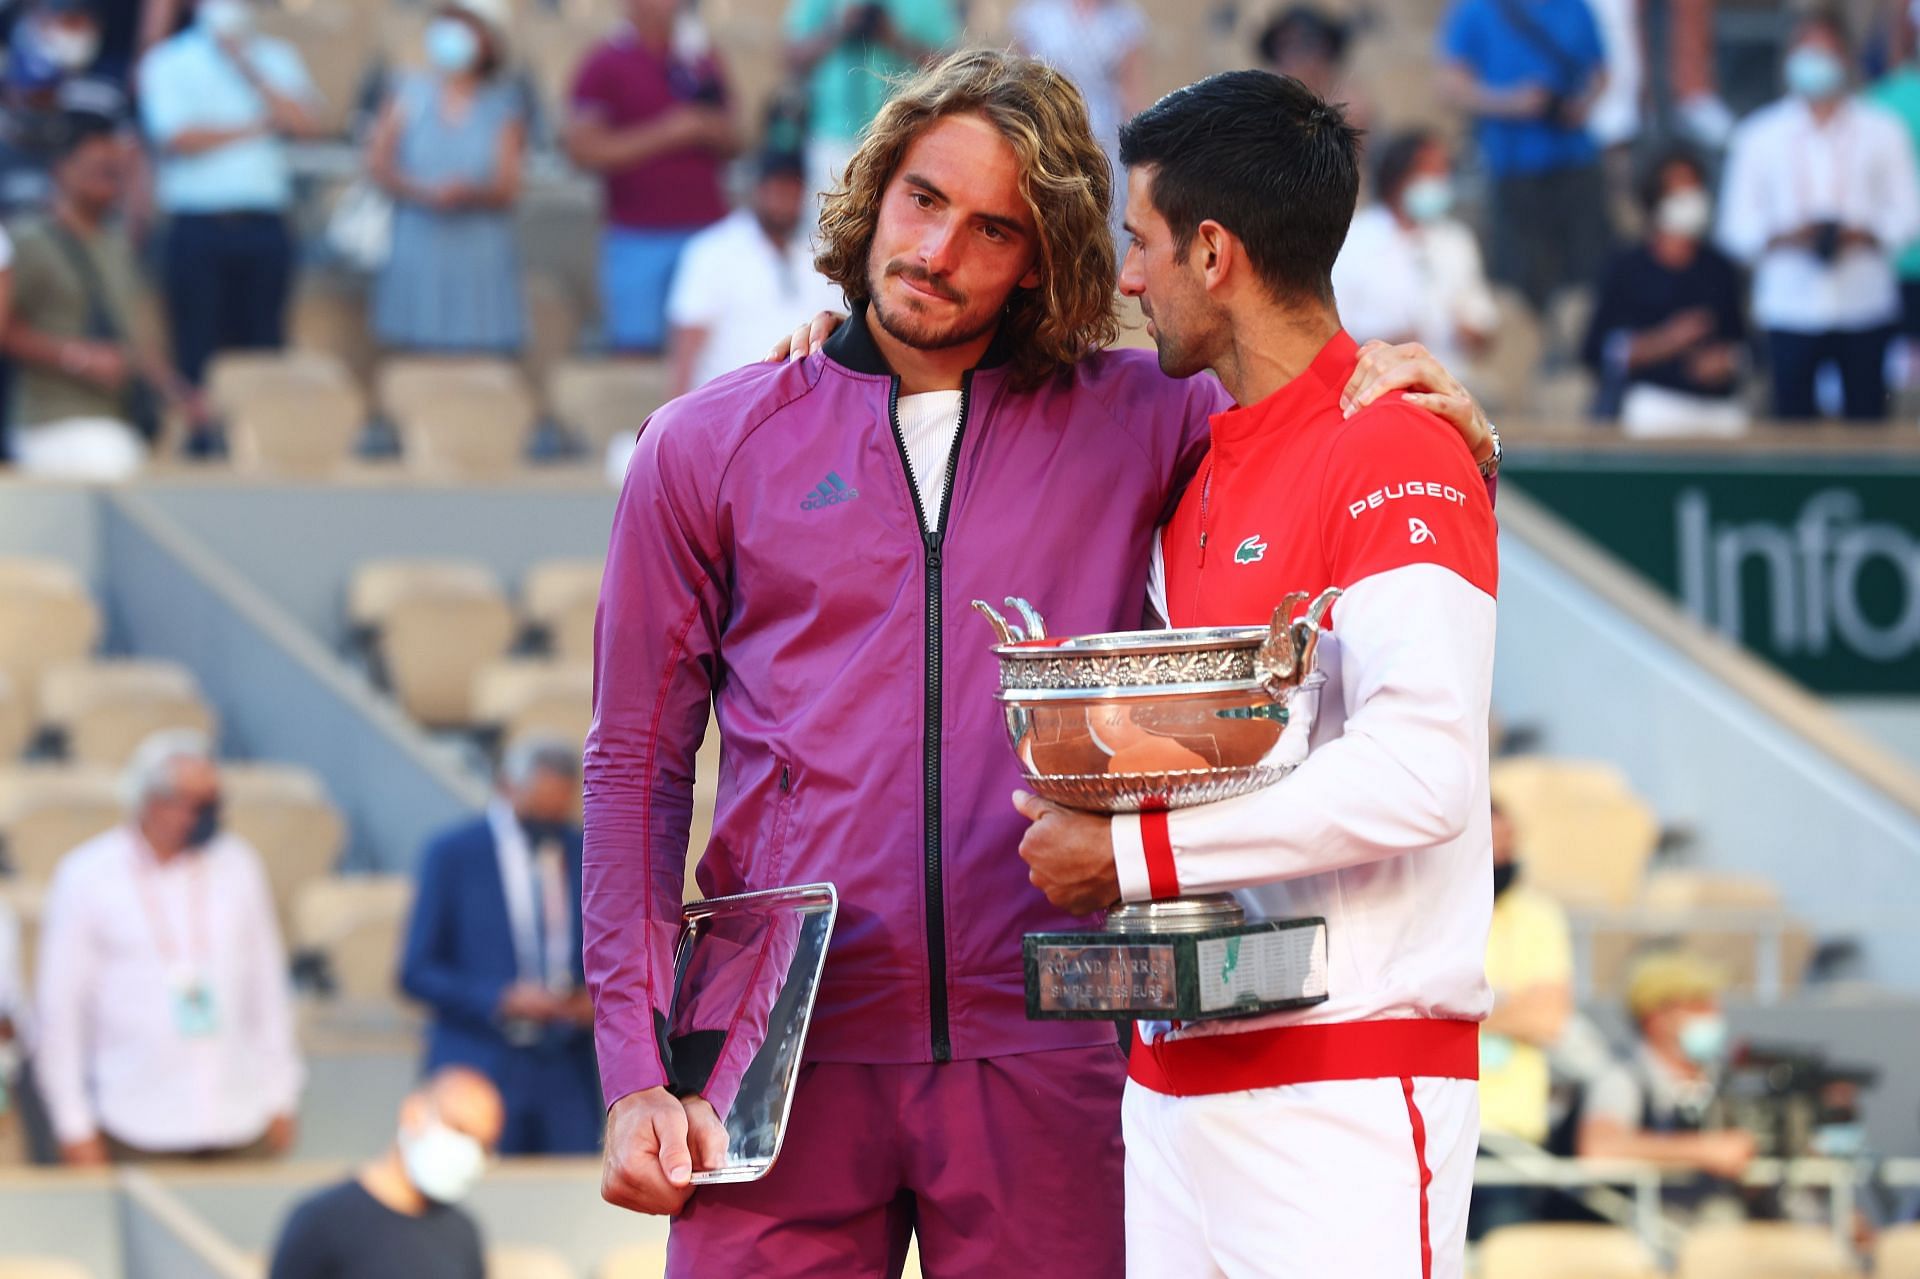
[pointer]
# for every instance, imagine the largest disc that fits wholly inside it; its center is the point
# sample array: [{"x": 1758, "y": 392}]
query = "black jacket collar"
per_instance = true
[{"x": 852, "y": 347}]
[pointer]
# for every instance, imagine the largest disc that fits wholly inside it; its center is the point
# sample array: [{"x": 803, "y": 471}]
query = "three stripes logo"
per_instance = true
[{"x": 830, "y": 492}]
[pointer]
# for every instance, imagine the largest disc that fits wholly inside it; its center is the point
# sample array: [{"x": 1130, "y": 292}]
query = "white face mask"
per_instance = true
[
  {"x": 69, "y": 48},
  {"x": 225, "y": 18},
  {"x": 1685, "y": 213},
  {"x": 1428, "y": 199},
  {"x": 442, "y": 1164}
]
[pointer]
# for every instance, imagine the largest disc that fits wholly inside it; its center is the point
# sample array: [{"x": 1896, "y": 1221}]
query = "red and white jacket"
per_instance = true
[{"x": 1384, "y": 830}]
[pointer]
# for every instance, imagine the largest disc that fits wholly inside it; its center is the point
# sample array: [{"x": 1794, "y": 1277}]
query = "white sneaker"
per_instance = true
[{"x": 1705, "y": 119}]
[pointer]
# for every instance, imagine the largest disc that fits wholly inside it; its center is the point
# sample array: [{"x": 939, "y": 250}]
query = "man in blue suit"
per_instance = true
[{"x": 494, "y": 950}]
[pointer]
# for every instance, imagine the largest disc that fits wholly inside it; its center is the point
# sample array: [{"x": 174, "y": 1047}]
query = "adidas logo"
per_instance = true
[{"x": 831, "y": 492}]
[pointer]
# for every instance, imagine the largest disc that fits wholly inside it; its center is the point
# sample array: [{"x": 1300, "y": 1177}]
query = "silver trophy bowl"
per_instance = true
[{"x": 1134, "y": 720}]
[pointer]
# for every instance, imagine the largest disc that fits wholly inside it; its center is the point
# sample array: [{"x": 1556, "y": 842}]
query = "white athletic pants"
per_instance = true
[{"x": 1349, "y": 1179}]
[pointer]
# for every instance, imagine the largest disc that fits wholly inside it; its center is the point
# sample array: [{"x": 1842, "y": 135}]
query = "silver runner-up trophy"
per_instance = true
[{"x": 1138, "y": 721}]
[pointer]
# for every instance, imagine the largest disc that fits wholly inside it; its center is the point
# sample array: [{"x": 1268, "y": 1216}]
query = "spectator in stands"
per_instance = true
[
  {"x": 165, "y": 1021},
  {"x": 47, "y": 79},
  {"x": 651, "y": 114},
  {"x": 1529, "y": 71},
  {"x": 1530, "y": 967},
  {"x": 1099, "y": 45},
  {"x": 1819, "y": 197},
  {"x": 220, "y": 102},
  {"x": 494, "y": 951},
  {"x": 1310, "y": 44},
  {"x": 1410, "y": 271},
  {"x": 1656, "y": 1106},
  {"x": 399, "y": 1216},
  {"x": 88, "y": 385},
  {"x": 852, "y": 52},
  {"x": 1667, "y": 339},
  {"x": 748, "y": 280},
  {"x": 448, "y": 149}
]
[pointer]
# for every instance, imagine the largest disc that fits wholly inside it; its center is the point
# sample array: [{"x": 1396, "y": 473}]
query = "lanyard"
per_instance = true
[{"x": 147, "y": 873}]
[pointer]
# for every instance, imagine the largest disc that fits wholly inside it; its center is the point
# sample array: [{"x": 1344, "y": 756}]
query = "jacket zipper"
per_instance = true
[{"x": 931, "y": 539}]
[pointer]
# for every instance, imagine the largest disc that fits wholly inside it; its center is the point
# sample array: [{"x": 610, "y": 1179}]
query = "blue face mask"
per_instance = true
[
  {"x": 452, "y": 46},
  {"x": 1704, "y": 1039},
  {"x": 1815, "y": 74},
  {"x": 1428, "y": 199}
]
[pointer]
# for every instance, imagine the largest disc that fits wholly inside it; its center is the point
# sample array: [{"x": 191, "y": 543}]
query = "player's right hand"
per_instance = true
[{"x": 648, "y": 1167}]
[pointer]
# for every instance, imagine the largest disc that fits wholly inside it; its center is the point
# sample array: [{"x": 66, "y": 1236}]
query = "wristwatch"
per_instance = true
[{"x": 1491, "y": 467}]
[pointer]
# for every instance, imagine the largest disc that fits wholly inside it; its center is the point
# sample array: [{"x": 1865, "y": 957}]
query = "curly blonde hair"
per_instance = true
[{"x": 1064, "y": 177}]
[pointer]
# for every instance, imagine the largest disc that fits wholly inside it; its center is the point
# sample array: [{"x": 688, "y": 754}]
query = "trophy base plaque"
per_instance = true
[{"x": 1186, "y": 959}]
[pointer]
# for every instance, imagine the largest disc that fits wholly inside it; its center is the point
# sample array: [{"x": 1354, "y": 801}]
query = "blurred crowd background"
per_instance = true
[{"x": 360, "y": 303}]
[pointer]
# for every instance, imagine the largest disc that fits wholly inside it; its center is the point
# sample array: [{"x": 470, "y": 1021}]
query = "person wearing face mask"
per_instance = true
[
  {"x": 399, "y": 1217},
  {"x": 166, "y": 1023},
  {"x": 1657, "y": 1107},
  {"x": 219, "y": 103},
  {"x": 493, "y": 951},
  {"x": 1667, "y": 339},
  {"x": 1409, "y": 270},
  {"x": 48, "y": 76},
  {"x": 1820, "y": 195},
  {"x": 1530, "y": 967},
  {"x": 448, "y": 149}
]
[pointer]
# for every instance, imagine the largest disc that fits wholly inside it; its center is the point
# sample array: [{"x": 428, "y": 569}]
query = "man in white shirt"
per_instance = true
[
  {"x": 1410, "y": 271},
  {"x": 746, "y": 281},
  {"x": 165, "y": 1025},
  {"x": 1820, "y": 196}
]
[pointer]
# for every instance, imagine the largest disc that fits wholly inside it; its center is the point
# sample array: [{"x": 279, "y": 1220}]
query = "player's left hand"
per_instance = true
[
  {"x": 1069, "y": 855},
  {"x": 1412, "y": 368}
]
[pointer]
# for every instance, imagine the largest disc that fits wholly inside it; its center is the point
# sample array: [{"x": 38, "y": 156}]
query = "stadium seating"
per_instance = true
[
  {"x": 46, "y": 810},
  {"x": 1896, "y": 1253},
  {"x": 356, "y": 922},
  {"x": 596, "y": 400},
  {"x": 521, "y": 696},
  {"x": 46, "y": 616},
  {"x": 1763, "y": 1250},
  {"x": 1587, "y": 837},
  {"x": 285, "y": 813},
  {"x": 103, "y": 710},
  {"x": 433, "y": 625},
  {"x": 300, "y": 411},
  {"x": 560, "y": 599},
  {"x": 457, "y": 418},
  {"x": 1565, "y": 1251}
]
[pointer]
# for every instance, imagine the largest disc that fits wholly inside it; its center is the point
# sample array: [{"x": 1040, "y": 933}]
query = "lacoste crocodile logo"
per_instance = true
[{"x": 1250, "y": 550}]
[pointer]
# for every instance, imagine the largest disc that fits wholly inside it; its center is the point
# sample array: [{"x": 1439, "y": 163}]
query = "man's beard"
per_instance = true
[{"x": 919, "y": 333}]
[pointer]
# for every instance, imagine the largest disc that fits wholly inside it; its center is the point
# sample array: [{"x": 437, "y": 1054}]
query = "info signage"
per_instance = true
[{"x": 1811, "y": 562}]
